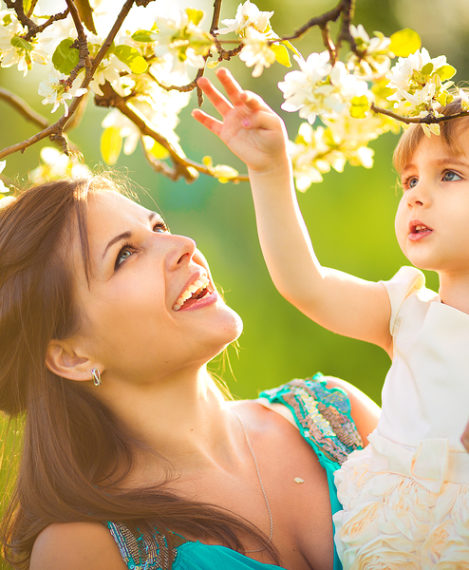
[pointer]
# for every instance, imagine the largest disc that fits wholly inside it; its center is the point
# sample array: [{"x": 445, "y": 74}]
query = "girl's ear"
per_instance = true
[{"x": 63, "y": 360}]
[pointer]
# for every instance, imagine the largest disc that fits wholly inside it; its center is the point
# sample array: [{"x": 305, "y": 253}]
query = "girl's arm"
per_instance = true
[{"x": 256, "y": 134}]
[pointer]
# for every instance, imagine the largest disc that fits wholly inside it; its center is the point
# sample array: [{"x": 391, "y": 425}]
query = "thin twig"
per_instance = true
[
  {"x": 330, "y": 16},
  {"x": 173, "y": 174},
  {"x": 23, "y": 108},
  {"x": 84, "y": 54},
  {"x": 344, "y": 34},
  {"x": 427, "y": 120},
  {"x": 46, "y": 24},
  {"x": 17, "y": 6}
]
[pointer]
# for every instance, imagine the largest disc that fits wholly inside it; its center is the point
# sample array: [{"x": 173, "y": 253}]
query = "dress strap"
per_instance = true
[
  {"x": 141, "y": 551},
  {"x": 322, "y": 415}
]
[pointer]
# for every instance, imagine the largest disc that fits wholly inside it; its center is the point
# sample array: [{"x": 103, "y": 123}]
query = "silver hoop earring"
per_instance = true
[{"x": 96, "y": 376}]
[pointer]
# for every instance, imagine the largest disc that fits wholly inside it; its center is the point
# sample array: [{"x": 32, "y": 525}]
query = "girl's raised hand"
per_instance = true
[{"x": 248, "y": 126}]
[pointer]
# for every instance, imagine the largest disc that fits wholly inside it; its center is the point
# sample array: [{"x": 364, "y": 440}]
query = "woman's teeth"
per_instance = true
[{"x": 195, "y": 290}]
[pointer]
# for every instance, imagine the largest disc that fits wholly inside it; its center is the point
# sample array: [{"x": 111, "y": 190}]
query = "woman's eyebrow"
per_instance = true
[{"x": 125, "y": 235}]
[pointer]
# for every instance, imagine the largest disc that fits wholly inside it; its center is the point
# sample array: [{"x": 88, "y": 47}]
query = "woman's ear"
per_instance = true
[{"x": 63, "y": 360}]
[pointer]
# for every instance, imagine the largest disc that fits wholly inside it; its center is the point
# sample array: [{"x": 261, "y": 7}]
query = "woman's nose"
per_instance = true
[{"x": 180, "y": 250}]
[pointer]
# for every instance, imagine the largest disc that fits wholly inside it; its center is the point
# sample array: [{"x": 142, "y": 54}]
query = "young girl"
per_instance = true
[{"x": 406, "y": 496}]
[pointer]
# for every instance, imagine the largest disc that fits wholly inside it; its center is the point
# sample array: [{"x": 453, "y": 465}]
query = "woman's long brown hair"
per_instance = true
[{"x": 75, "y": 453}]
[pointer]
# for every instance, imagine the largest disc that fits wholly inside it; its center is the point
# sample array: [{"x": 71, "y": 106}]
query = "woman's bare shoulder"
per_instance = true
[{"x": 75, "y": 546}]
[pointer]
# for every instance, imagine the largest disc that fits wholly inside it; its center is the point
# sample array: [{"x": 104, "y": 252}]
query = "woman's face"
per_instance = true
[{"x": 150, "y": 309}]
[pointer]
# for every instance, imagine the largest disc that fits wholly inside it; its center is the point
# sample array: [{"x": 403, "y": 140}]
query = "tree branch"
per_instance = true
[
  {"x": 23, "y": 108},
  {"x": 322, "y": 20},
  {"x": 427, "y": 120},
  {"x": 46, "y": 24},
  {"x": 84, "y": 54}
]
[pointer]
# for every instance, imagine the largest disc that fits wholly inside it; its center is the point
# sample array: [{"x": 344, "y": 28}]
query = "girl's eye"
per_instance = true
[
  {"x": 125, "y": 252},
  {"x": 410, "y": 182},
  {"x": 450, "y": 176}
]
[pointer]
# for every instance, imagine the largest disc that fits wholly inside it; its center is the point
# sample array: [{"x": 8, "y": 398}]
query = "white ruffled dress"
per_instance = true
[{"x": 406, "y": 495}]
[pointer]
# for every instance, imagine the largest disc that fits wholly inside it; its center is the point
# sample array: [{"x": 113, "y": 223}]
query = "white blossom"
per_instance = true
[
  {"x": 55, "y": 91},
  {"x": 401, "y": 75},
  {"x": 56, "y": 165},
  {"x": 257, "y": 52},
  {"x": 179, "y": 37},
  {"x": 247, "y": 15},
  {"x": 320, "y": 88},
  {"x": 14, "y": 50},
  {"x": 110, "y": 69},
  {"x": 3, "y": 187},
  {"x": 375, "y": 57}
]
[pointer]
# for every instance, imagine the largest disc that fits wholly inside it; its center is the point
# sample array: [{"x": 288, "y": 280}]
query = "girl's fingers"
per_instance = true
[
  {"x": 221, "y": 104},
  {"x": 231, "y": 86},
  {"x": 211, "y": 123}
]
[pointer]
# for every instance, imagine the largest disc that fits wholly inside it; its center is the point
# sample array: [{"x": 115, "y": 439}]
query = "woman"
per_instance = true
[{"x": 132, "y": 457}]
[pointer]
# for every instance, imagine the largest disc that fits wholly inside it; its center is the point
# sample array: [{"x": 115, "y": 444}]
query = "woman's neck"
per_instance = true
[{"x": 184, "y": 419}]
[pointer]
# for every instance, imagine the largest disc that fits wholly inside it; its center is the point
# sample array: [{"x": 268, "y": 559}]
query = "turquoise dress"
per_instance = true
[{"x": 323, "y": 418}]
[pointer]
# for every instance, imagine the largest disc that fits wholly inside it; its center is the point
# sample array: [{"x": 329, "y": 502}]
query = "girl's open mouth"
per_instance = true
[{"x": 418, "y": 230}]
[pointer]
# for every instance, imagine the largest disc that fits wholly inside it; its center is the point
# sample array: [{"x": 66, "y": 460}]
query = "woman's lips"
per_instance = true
[
  {"x": 197, "y": 293},
  {"x": 418, "y": 230},
  {"x": 208, "y": 298}
]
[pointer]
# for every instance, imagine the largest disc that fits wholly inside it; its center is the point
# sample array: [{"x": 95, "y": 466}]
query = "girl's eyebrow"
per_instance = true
[{"x": 125, "y": 235}]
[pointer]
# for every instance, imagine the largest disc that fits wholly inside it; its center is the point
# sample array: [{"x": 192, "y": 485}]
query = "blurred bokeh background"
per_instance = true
[{"x": 350, "y": 215}]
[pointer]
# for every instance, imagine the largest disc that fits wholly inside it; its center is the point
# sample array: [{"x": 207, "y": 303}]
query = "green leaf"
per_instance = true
[
  {"x": 86, "y": 14},
  {"x": 21, "y": 44},
  {"x": 131, "y": 57},
  {"x": 445, "y": 72},
  {"x": 111, "y": 145},
  {"x": 144, "y": 36},
  {"x": 195, "y": 16},
  {"x": 427, "y": 68},
  {"x": 404, "y": 42},
  {"x": 65, "y": 57},
  {"x": 281, "y": 54}
]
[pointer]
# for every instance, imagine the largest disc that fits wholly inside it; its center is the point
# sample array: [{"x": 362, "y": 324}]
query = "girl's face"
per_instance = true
[
  {"x": 432, "y": 220},
  {"x": 150, "y": 308}
]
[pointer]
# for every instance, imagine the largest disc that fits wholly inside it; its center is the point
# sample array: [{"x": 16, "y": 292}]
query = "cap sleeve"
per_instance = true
[{"x": 405, "y": 282}]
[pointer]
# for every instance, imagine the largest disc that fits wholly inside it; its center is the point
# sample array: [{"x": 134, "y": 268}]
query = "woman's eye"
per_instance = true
[
  {"x": 123, "y": 254},
  {"x": 160, "y": 227},
  {"x": 450, "y": 176}
]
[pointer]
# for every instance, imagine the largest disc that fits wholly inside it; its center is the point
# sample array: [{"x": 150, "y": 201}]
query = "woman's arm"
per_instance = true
[
  {"x": 76, "y": 546},
  {"x": 256, "y": 134},
  {"x": 365, "y": 412}
]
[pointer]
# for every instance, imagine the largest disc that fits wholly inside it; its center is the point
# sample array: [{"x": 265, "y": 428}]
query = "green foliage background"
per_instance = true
[{"x": 350, "y": 215}]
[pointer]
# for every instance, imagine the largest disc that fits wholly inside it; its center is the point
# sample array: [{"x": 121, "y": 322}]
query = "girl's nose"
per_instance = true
[{"x": 418, "y": 195}]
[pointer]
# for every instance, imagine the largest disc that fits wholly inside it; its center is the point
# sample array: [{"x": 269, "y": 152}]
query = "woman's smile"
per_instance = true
[{"x": 197, "y": 293}]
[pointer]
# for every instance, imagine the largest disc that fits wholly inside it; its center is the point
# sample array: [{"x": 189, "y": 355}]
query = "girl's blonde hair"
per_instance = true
[{"x": 413, "y": 135}]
